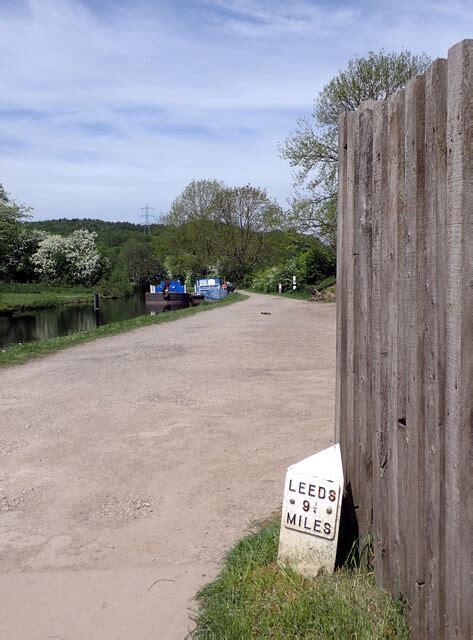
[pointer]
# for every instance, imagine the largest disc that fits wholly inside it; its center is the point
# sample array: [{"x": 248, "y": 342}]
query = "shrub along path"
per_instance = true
[{"x": 131, "y": 464}]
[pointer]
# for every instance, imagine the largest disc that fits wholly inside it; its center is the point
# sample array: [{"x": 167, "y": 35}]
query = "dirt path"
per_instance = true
[{"x": 128, "y": 466}]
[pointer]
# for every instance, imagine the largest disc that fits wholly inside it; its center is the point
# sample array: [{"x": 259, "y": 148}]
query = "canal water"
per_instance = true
[{"x": 70, "y": 318}]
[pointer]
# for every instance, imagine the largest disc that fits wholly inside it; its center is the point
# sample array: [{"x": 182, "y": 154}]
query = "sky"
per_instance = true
[{"x": 107, "y": 105}]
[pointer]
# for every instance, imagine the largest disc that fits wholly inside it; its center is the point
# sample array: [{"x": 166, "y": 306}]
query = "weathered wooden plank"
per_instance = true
[
  {"x": 388, "y": 326},
  {"x": 415, "y": 223},
  {"x": 434, "y": 248},
  {"x": 402, "y": 529},
  {"x": 351, "y": 252},
  {"x": 395, "y": 153},
  {"x": 364, "y": 345},
  {"x": 357, "y": 329},
  {"x": 341, "y": 376},
  {"x": 378, "y": 315},
  {"x": 396, "y": 303},
  {"x": 459, "y": 344}
]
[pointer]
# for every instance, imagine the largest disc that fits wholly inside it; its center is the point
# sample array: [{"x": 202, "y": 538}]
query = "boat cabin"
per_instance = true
[
  {"x": 210, "y": 288},
  {"x": 174, "y": 286}
]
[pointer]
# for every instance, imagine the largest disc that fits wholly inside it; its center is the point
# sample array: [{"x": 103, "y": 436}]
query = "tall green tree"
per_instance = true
[
  {"x": 191, "y": 221},
  {"x": 196, "y": 202},
  {"x": 11, "y": 216},
  {"x": 247, "y": 215},
  {"x": 212, "y": 228},
  {"x": 140, "y": 262},
  {"x": 312, "y": 148},
  {"x": 20, "y": 266}
]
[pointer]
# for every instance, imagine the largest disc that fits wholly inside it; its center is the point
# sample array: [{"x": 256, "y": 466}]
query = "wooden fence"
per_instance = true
[{"x": 405, "y": 338}]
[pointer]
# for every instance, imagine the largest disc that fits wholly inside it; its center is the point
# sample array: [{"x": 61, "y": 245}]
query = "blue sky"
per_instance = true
[{"x": 109, "y": 104}]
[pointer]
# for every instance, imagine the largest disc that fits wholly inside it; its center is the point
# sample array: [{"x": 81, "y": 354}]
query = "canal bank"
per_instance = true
[
  {"x": 65, "y": 319},
  {"x": 153, "y": 314},
  {"x": 132, "y": 464}
]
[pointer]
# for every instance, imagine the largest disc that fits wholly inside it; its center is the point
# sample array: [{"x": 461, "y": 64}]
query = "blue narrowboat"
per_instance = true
[
  {"x": 212, "y": 288},
  {"x": 167, "y": 291}
]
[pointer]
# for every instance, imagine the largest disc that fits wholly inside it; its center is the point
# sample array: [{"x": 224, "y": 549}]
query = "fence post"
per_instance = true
[{"x": 97, "y": 309}]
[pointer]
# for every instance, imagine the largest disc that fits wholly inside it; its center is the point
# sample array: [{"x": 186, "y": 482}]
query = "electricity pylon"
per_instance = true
[{"x": 148, "y": 217}]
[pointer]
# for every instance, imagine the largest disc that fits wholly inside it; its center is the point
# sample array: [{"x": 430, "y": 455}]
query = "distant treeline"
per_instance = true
[
  {"x": 109, "y": 234},
  {"x": 238, "y": 233}
]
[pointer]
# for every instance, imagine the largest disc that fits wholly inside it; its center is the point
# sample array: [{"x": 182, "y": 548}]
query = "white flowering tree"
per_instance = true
[
  {"x": 73, "y": 259},
  {"x": 49, "y": 259},
  {"x": 83, "y": 257}
]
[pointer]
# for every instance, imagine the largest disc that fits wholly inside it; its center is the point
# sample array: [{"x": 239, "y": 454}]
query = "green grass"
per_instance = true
[
  {"x": 17, "y": 302},
  {"x": 324, "y": 284},
  {"x": 17, "y": 297},
  {"x": 19, "y": 353},
  {"x": 41, "y": 287},
  {"x": 306, "y": 293},
  {"x": 298, "y": 294},
  {"x": 255, "y": 598}
]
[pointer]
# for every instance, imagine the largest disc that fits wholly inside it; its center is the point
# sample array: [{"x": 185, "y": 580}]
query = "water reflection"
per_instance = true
[{"x": 49, "y": 323}]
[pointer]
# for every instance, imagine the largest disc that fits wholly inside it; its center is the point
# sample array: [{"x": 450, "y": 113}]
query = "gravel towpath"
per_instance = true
[{"x": 130, "y": 465}]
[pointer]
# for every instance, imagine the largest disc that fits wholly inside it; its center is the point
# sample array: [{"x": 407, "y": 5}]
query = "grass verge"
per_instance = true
[
  {"x": 308, "y": 292},
  {"x": 298, "y": 294},
  {"x": 18, "y": 297},
  {"x": 20, "y": 302},
  {"x": 41, "y": 287},
  {"x": 19, "y": 353},
  {"x": 255, "y": 598}
]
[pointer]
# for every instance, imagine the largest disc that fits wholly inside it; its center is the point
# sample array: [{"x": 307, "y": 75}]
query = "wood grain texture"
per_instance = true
[
  {"x": 341, "y": 375},
  {"x": 459, "y": 344},
  {"x": 415, "y": 227},
  {"x": 434, "y": 301},
  {"x": 405, "y": 362},
  {"x": 351, "y": 252},
  {"x": 395, "y": 213},
  {"x": 378, "y": 346},
  {"x": 364, "y": 415}
]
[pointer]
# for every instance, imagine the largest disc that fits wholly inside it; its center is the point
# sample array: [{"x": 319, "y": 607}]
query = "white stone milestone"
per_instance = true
[{"x": 311, "y": 513}]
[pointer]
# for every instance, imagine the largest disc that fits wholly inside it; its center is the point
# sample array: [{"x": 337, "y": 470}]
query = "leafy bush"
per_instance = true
[
  {"x": 116, "y": 283},
  {"x": 20, "y": 266},
  {"x": 319, "y": 263},
  {"x": 268, "y": 279},
  {"x": 309, "y": 267}
]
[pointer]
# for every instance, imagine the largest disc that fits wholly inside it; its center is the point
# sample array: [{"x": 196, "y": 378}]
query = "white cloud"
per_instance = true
[
  {"x": 105, "y": 106},
  {"x": 275, "y": 19}
]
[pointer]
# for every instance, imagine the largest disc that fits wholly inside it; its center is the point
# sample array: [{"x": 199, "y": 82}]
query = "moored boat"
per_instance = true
[
  {"x": 167, "y": 292},
  {"x": 212, "y": 288}
]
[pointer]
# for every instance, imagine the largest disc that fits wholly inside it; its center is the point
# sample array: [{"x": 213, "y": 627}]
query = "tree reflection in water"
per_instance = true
[{"x": 50, "y": 323}]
